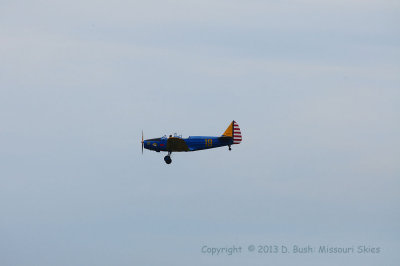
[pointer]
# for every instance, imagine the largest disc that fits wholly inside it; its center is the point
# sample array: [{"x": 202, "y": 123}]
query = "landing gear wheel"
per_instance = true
[
  {"x": 167, "y": 159},
  {"x": 230, "y": 148}
]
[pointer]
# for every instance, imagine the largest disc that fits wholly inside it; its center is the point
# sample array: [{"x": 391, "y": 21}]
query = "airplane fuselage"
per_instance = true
[{"x": 192, "y": 143}]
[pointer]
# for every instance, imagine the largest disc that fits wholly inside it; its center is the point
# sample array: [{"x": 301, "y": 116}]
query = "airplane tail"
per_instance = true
[{"x": 233, "y": 131}]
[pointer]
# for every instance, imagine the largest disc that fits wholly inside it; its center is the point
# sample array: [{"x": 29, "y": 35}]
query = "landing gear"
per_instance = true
[
  {"x": 168, "y": 159},
  {"x": 230, "y": 147}
]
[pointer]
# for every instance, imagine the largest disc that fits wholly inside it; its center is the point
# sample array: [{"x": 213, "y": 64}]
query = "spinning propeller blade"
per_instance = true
[{"x": 142, "y": 142}]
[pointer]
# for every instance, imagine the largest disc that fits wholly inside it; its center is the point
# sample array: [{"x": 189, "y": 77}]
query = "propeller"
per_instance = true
[{"x": 142, "y": 142}]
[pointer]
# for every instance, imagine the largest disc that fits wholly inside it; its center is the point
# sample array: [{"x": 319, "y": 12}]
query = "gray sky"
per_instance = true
[{"x": 314, "y": 86}]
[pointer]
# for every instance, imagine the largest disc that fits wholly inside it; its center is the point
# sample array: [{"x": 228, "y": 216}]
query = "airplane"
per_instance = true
[{"x": 232, "y": 135}]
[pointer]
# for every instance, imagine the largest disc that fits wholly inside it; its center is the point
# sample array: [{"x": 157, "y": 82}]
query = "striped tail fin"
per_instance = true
[
  {"x": 237, "y": 135},
  {"x": 233, "y": 131}
]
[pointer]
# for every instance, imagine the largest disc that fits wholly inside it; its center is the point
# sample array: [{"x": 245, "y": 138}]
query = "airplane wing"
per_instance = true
[{"x": 176, "y": 144}]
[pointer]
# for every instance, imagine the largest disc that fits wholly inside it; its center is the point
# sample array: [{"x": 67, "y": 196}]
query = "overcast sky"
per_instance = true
[{"x": 313, "y": 85}]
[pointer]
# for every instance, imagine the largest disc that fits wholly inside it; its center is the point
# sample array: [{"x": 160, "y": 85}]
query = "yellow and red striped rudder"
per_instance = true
[{"x": 237, "y": 135}]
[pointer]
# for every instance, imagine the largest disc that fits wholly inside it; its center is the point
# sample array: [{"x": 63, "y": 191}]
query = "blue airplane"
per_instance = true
[{"x": 232, "y": 135}]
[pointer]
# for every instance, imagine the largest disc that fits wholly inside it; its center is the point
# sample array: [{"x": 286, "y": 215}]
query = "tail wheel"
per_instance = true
[{"x": 167, "y": 159}]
